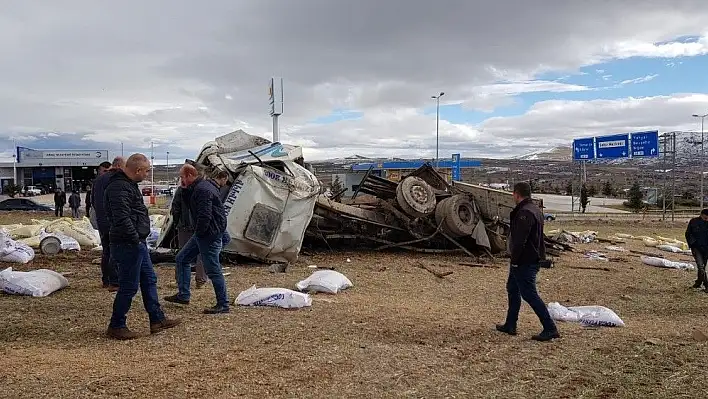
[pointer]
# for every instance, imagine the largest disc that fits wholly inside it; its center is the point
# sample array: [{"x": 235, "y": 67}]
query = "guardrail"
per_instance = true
[{"x": 624, "y": 216}]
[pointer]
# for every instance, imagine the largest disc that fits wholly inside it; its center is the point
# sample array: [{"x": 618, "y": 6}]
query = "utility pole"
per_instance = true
[
  {"x": 152, "y": 168},
  {"x": 168, "y": 167},
  {"x": 437, "y": 129},
  {"x": 703, "y": 154}
]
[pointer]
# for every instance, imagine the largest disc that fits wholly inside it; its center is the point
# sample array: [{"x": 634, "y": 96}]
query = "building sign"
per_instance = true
[{"x": 24, "y": 153}]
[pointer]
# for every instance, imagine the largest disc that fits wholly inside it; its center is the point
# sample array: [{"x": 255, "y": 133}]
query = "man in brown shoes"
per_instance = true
[{"x": 129, "y": 228}]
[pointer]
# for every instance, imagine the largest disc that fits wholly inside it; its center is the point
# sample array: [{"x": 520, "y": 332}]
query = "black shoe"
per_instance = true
[
  {"x": 506, "y": 330},
  {"x": 697, "y": 284},
  {"x": 175, "y": 299},
  {"x": 217, "y": 309},
  {"x": 546, "y": 336}
]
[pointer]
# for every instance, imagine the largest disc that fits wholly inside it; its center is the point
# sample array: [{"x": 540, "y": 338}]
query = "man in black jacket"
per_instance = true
[
  {"x": 527, "y": 251},
  {"x": 209, "y": 227},
  {"x": 59, "y": 202},
  {"x": 184, "y": 221},
  {"x": 697, "y": 240},
  {"x": 129, "y": 227},
  {"x": 109, "y": 268}
]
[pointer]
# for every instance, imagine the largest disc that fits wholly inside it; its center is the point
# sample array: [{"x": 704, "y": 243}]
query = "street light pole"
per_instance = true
[
  {"x": 168, "y": 167},
  {"x": 703, "y": 153},
  {"x": 437, "y": 129}
]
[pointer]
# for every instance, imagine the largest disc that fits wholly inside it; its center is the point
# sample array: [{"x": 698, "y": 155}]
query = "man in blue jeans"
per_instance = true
[
  {"x": 209, "y": 228},
  {"x": 129, "y": 226},
  {"x": 527, "y": 250}
]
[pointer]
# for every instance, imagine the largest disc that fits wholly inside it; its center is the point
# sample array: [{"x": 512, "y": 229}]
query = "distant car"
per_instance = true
[
  {"x": 32, "y": 191},
  {"x": 168, "y": 191},
  {"x": 549, "y": 217},
  {"x": 23, "y": 204},
  {"x": 147, "y": 191}
]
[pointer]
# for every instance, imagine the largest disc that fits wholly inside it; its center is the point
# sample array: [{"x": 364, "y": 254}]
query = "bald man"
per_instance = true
[
  {"x": 129, "y": 227},
  {"x": 209, "y": 228},
  {"x": 109, "y": 269}
]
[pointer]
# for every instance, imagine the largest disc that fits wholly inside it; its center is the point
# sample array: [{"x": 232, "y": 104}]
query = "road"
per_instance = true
[{"x": 562, "y": 203}]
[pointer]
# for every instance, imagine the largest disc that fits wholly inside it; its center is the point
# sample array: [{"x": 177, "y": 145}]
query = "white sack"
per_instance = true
[
  {"x": 658, "y": 262},
  {"x": 328, "y": 281},
  {"x": 276, "y": 297},
  {"x": 81, "y": 231},
  {"x": 12, "y": 251},
  {"x": 37, "y": 283},
  {"x": 587, "y": 315},
  {"x": 669, "y": 248}
]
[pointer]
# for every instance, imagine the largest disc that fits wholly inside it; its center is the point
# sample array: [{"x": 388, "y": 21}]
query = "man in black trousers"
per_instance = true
[
  {"x": 527, "y": 250},
  {"x": 109, "y": 269},
  {"x": 697, "y": 240}
]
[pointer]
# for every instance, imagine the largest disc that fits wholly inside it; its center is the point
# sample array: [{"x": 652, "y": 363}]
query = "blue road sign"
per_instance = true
[
  {"x": 583, "y": 149},
  {"x": 455, "y": 167},
  {"x": 645, "y": 144},
  {"x": 615, "y": 146}
]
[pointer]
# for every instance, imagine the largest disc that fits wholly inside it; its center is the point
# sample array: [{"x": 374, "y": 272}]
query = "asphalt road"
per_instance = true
[{"x": 562, "y": 203}]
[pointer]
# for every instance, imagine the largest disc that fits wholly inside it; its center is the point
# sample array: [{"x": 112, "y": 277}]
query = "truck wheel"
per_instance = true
[
  {"x": 459, "y": 214},
  {"x": 415, "y": 197},
  {"x": 497, "y": 242}
]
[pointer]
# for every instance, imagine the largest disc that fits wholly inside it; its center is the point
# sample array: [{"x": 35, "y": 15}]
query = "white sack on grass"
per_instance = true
[
  {"x": 599, "y": 316},
  {"x": 328, "y": 281},
  {"x": 37, "y": 283},
  {"x": 615, "y": 248},
  {"x": 81, "y": 231},
  {"x": 669, "y": 248},
  {"x": 658, "y": 262},
  {"x": 276, "y": 297},
  {"x": 12, "y": 251}
]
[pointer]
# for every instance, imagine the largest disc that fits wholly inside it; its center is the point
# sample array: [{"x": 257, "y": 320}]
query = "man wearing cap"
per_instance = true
[{"x": 697, "y": 240}]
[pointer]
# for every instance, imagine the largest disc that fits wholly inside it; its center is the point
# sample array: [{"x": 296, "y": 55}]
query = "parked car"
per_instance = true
[
  {"x": 23, "y": 204},
  {"x": 147, "y": 191},
  {"x": 31, "y": 191},
  {"x": 549, "y": 217},
  {"x": 168, "y": 191}
]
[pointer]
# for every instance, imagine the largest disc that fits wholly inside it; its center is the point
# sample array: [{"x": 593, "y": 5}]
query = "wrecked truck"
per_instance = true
[{"x": 269, "y": 198}]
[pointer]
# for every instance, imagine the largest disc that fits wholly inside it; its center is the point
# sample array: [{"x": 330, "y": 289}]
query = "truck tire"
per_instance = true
[
  {"x": 415, "y": 197},
  {"x": 458, "y": 212},
  {"x": 497, "y": 242}
]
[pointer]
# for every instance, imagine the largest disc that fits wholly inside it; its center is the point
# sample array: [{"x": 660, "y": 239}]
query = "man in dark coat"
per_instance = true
[
  {"x": 109, "y": 269},
  {"x": 183, "y": 220},
  {"x": 697, "y": 240},
  {"x": 59, "y": 202},
  {"x": 74, "y": 204},
  {"x": 209, "y": 229},
  {"x": 129, "y": 227},
  {"x": 527, "y": 250}
]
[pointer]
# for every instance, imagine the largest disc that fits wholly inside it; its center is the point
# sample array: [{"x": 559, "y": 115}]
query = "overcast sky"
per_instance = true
[{"x": 518, "y": 76}]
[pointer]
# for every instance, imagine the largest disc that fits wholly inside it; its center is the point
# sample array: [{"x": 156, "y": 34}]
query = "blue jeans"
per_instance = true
[
  {"x": 522, "y": 284},
  {"x": 209, "y": 248},
  {"x": 134, "y": 270}
]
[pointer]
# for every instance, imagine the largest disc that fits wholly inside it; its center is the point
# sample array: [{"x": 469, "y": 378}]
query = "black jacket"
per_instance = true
[
  {"x": 75, "y": 201},
  {"x": 207, "y": 209},
  {"x": 181, "y": 213},
  {"x": 60, "y": 199},
  {"x": 98, "y": 202},
  {"x": 126, "y": 212},
  {"x": 697, "y": 234},
  {"x": 526, "y": 244}
]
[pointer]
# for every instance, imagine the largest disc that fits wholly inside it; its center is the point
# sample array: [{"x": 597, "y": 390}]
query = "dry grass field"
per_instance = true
[{"x": 400, "y": 332}]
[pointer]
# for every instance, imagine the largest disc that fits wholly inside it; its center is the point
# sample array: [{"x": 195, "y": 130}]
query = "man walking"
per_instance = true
[
  {"x": 59, "y": 202},
  {"x": 129, "y": 227},
  {"x": 109, "y": 268},
  {"x": 697, "y": 240},
  {"x": 527, "y": 251},
  {"x": 183, "y": 219},
  {"x": 209, "y": 228}
]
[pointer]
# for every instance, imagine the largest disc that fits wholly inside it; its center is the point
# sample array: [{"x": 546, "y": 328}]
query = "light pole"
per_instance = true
[
  {"x": 152, "y": 168},
  {"x": 437, "y": 129},
  {"x": 168, "y": 167},
  {"x": 703, "y": 117}
]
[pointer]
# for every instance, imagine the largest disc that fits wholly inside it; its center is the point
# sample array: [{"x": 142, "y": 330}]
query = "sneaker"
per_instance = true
[
  {"x": 122, "y": 334},
  {"x": 506, "y": 330},
  {"x": 176, "y": 299},
  {"x": 163, "y": 324},
  {"x": 217, "y": 309},
  {"x": 546, "y": 336}
]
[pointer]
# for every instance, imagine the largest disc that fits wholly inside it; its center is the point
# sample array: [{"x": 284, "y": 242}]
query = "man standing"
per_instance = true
[
  {"x": 109, "y": 269},
  {"x": 527, "y": 251},
  {"x": 209, "y": 228},
  {"x": 697, "y": 240},
  {"x": 129, "y": 227},
  {"x": 59, "y": 202},
  {"x": 183, "y": 219},
  {"x": 74, "y": 204},
  {"x": 87, "y": 200}
]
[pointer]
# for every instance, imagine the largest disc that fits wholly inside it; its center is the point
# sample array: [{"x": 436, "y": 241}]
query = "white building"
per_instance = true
[{"x": 50, "y": 169}]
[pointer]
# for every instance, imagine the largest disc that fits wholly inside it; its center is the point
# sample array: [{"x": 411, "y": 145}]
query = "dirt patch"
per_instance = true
[{"x": 400, "y": 332}]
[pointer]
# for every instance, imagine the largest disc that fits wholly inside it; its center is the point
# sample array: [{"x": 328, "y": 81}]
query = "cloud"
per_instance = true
[
  {"x": 639, "y": 80},
  {"x": 179, "y": 73}
]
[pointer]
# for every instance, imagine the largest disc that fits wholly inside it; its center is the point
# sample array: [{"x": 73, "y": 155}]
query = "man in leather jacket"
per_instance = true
[{"x": 697, "y": 240}]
